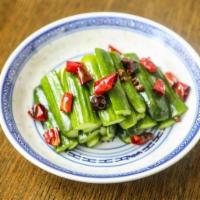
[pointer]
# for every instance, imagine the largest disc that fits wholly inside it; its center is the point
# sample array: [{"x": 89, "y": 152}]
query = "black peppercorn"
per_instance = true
[
  {"x": 98, "y": 102},
  {"x": 130, "y": 65}
]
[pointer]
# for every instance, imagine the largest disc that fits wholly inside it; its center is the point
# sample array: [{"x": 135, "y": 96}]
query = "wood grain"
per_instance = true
[{"x": 19, "y": 179}]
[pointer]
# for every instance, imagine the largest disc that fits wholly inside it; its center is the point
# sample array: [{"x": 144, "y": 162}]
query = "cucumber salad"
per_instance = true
[{"x": 107, "y": 94}]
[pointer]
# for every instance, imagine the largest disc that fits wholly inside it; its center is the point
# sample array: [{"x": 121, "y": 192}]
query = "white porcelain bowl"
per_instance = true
[{"x": 70, "y": 38}]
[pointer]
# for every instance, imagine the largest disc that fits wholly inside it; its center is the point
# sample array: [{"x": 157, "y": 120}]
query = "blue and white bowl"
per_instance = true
[{"x": 70, "y": 38}]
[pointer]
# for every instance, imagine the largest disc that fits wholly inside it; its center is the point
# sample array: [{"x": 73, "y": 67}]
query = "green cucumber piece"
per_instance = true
[
  {"x": 74, "y": 114},
  {"x": 103, "y": 130},
  {"x": 132, "y": 56},
  {"x": 82, "y": 111},
  {"x": 65, "y": 142},
  {"x": 140, "y": 116},
  {"x": 107, "y": 138},
  {"x": 54, "y": 92},
  {"x": 133, "y": 96},
  {"x": 146, "y": 123},
  {"x": 107, "y": 116},
  {"x": 124, "y": 136},
  {"x": 39, "y": 97},
  {"x": 73, "y": 143},
  {"x": 72, "y": 133},
  {"x": 130, "y": 120},
  {"x": 82, "y": 137},
  {"x": 178, "y": 107},
  {"x": 92, "y": 135},
  {"x": 117, "y": 95},
  {"x": 165, "y": 124},
  {"x": 158, "y": 106},
  {"x": 93, "y": 142},
  {"x": 110, "y": 134},
  {"x": 88, "y": 130}
]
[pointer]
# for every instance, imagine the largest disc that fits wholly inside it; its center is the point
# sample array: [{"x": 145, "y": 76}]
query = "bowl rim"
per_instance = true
[{"x": 92, "y": 179}]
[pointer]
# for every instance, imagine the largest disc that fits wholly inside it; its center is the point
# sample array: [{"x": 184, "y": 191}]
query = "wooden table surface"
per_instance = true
[{"x": 19, "y": 179}]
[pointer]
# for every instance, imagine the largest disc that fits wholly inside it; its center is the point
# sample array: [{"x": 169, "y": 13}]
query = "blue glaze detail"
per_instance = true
[{"x": 83, "y": 158}]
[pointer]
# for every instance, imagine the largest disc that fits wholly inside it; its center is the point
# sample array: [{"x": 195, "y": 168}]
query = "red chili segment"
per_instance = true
[
  {"x": 66, "y": 102},
  {"x": 142, "y": 139},
  {"x": 182, "y": 90},
  {"x": 78, "y": 69},
  {"x": 105, "y": 84},
  {"x": 148, "y": 64},
  {"x": 38, "y": 112},
  {"x": 112, "y": 48},
  {"x": 83, "y": 75},
  {"x": 159, "y": 87},
  {"x": 171, "y": 78},
  {"x": 72, "y": 66},
  {"x": 52, "y": 136}
]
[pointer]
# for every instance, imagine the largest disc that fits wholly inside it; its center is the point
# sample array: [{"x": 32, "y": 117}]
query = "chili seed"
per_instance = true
[
  {"x": 121, "y": 72},
  {"x": 177, "y": 119},
  {"x": 135, "y": 81},
  {"x": 139, "y": 88}
]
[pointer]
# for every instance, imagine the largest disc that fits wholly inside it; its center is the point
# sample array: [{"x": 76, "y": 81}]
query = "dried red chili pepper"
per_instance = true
[
  {"x": 105, "y": 84},
  {"x": 159, "y": 87},
  {"x": 66, "y": 102},
  {"x": 52, "y": 136},
  {"x": 148, "y": 64},
  {"x": 142, "y": 139},
  {"x": 39, "y": 113},
  {"x": 171, "y": 78},
  {"x": 78, "y": 69},
  {"x": 112, "y": 48},
  {"x": 182, "y": 90},
  {"x": 83, "y": 75},
  {"x": 72, "y": 66}
]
